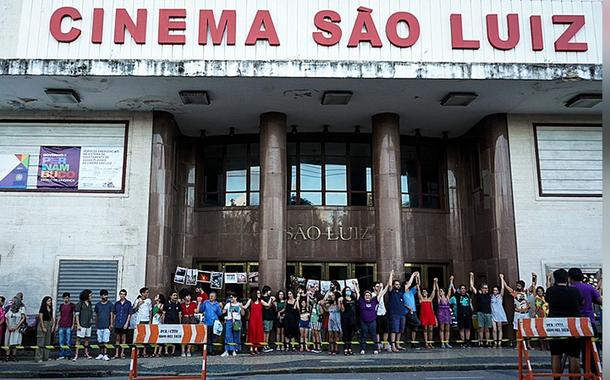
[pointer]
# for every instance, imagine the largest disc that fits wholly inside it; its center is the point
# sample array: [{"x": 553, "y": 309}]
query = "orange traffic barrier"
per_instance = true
[
  {"x": 557, "y": 328},
  {"x": 176, "y": 334}
]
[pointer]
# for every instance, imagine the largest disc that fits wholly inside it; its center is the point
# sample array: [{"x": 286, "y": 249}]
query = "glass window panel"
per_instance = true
[
  {"x": 369, "y": 179},
  {"x": 254, "y": 199},
  {"x": 311, "y": 149},
  {"x": 359, "y": 173},
  {"x": 311, "y": 198},
  {"x": 255, "y": 175},
  {"x": 212, "y": 175},
  {"x": 409, "y": 200},
  {"x": 236, "y": 180},
  {"x": 431, "y": 201},
  {"x": 210, "y": 200},
  {"x": 213, "y": 151},
  {"x": 408, "y": 178},
  {"x": 335, "y": 149},
  {"x": 359, "y": 199},
  {"x": 235, "y": 199},
  {"x": 293, "y": 173},
  {"x": 291, "y": 149},
  {"x": 311, "y": 173},
  {"x": 336, "y": 199},
  {"x": 337, "y": 272},
  {"x": 360, "y": 150},
  {"x": 336, "y": 173},
  {"x": 254, "y": 154},
  {"x": 408, "y": 153}
]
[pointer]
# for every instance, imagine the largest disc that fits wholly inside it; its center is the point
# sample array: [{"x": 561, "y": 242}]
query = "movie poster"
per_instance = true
[
  {"x": 58, "y": 167},
  {"x": 14, "y": 171}
]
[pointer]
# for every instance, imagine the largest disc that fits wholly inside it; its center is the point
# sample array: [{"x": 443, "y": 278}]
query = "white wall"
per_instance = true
[
  {"x": 40, "y": 228},
  {"x": 551, "y": 231},
  {"x": 10, "y": 18}
]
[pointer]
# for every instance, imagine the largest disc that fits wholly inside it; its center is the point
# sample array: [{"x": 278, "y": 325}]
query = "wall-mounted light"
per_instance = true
[
  {"x": 336, "y": 98},
  {"x": 584, "y": 101},
  {"x": 195, "y": 97},
  {"x": 63, "y": 96},
  {"x": 460, "y": 99},
  {"x": 293, "y": 129}
]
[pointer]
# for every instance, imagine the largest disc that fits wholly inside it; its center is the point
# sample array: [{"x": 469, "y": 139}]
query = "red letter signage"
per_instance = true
[
  {"x": 97, "y": 31},
  {"x": 493, "y": 32},
  {"x": 392, "y": 25},
  {"x": 262, "y": 29},
  {"x": 124, "y": 22},
  {"x": 370, "y": 35},
  {"x": 226, "y": 24},
  {"x": 55, "y": 26},
  {"x": 327, "y": 21},
  {"x": 457, "y": 34},
  {"x": 575, "y": 23},
  {"x": 167, "y": 23},
  {"x": 536, "y": 31}
]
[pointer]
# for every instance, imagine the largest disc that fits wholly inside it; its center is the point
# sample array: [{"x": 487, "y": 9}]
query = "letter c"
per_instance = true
[{"x": 55, "y": 26}]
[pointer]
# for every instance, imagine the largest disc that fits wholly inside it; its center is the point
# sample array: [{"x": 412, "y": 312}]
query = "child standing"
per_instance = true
[{"x": 426, "y": 312}]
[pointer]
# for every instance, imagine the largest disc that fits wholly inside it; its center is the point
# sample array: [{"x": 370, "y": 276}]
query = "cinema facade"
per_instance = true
[{"x": 327, "y": 140}]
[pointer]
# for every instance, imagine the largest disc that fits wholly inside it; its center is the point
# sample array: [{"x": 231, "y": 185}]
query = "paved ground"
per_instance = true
[
  {"x": 436, "y": 375},
  {"x": 280, "y": 363}
]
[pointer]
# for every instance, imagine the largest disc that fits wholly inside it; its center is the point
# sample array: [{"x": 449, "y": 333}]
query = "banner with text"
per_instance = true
[{"x": 58, "y": 167}]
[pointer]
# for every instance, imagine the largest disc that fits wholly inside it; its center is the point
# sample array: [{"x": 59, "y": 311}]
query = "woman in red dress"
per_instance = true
[
  {"x": 426, "y": 312},
  {"x": 256, "y": 335}
]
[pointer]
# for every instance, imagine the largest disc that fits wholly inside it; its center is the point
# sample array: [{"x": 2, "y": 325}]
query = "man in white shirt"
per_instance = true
[{"x": 143, "y": 310}]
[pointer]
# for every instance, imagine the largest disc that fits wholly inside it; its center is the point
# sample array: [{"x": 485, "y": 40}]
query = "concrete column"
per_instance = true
[
  {"x": 273, "y": 204},
  {"x": 388, "y": 204}
]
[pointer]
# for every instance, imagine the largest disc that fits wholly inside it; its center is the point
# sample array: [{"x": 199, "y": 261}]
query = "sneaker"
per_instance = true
[
  {"x": 188, "y": 355},
  {"x": 60, "y": 358},
  {"x": 267, "y": 349},
  {"x": 375, "y": 352},
  {"x": 99, "y": 357},
  {"x": 224, "y": 354},
  {"x": 183, "y": 355},
  {"x": 316, "y": 351},
  {"x": 234, "y": 353},
  {"x": 106, "y": 358},
  {"x": 74, "y": 358},
  {"x": 362, "y": 352}
]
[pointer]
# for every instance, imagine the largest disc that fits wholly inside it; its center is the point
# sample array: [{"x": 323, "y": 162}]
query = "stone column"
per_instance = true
[
  {"x": 388, "y": 204},
  {"x": 159, "y": 256},
  {"x": 273, "y": 204}
]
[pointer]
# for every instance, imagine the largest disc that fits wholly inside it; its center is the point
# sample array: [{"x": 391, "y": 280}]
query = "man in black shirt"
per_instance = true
[
  {"x": 564, "y": 302},
  {"x": 483, "y": 307}
]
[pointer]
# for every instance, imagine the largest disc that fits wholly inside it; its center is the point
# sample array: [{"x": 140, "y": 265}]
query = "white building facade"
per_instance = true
[{"x": 505, "y": 91}]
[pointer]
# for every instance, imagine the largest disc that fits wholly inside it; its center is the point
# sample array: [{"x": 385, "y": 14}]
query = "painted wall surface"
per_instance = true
[
  {"x": 551, "y": 231},
  {"x": 294, "y": 24},
  {"x": 39, "y": 229}
]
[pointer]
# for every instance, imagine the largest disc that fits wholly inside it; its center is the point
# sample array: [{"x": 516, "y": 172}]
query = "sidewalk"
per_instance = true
[{"x": 281, "y": 363}]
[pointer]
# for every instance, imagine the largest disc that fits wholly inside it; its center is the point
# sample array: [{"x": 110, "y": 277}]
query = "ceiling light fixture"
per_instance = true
[
  {"x": 63, "y": 96},
  {"x": 460, "y": 99},
  {"x": 336, "y": 98},
  {"x": 195, "y": 97},
  {"x": 584, "y": 101}
]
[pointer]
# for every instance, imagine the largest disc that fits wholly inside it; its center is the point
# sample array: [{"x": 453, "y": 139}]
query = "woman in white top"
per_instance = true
[
  {"x": 234, "y": 311},
  {"x": 15, "y": 318}
]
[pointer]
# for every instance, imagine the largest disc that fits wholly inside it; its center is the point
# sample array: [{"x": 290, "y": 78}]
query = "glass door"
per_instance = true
[
  {"x": 338, "y": 271},
  {"x": 311, "y": 271}
]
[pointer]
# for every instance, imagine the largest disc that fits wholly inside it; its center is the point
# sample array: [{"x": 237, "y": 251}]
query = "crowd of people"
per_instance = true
[{"x": 383, "y": 318}]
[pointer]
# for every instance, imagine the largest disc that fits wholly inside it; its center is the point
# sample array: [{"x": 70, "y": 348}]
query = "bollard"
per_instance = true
[
  {"x": 204, "y": 362},
  {"x": 133, "y": 366}
]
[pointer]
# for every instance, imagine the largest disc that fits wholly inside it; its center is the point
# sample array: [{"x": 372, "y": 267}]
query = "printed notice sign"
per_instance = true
[{"x": 101, "y": 168}]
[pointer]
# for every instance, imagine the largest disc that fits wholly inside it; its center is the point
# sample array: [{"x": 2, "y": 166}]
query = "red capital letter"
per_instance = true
[
  {"x": 325, "y": 20},
  {"x": 536, "y": 31},
  {"x": 370, "y": 34},
  {"x": 98, "y": 26},
  {"x": 493, "y": 31},
  {"x": 226, "y": 24},
  {"x": 457, "y": 35},
  {"x": 124, "y": 22},
  {"x": 392, "y": 25},
  {"x": 55, "y": 25},
  {"x": 576, "y": 22},
  {"x": 262, "y": 20},
  {"x": 168, "y": 23}
]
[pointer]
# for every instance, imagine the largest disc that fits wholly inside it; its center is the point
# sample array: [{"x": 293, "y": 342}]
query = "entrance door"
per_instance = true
[
  {"x": 311, "y": 271},
  {"x": 427, "y": 273},
  {"x": 338, "y": 271}
]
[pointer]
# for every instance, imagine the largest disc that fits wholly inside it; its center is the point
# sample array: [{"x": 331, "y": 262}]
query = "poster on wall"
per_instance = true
[
  {"x": 253, "y": 278},
  {"x": 101, "y": 168},
  {"x": 191, "y": 277},
  {"x": 242, "y": 278},
  {"x": 204, "y": 277},
  {"x": 180, "y": 275},
  {"x": 230, "y": 278},
  {"x": 14, "y": 171},
  {"x": 58, "y": 167},
  {"x": 216, "y": 280}
]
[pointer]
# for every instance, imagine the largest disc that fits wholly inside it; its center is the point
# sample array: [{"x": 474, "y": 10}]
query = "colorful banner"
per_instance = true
[
  {"x": 101, "y": 168},
  {"x": 14, "y": 171},
  {"x": 58, "y": 167}
]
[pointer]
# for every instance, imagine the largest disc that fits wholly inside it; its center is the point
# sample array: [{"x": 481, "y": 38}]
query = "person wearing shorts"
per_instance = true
[
  {"x": 268, "y": 316},
  {"x": 564, "y": 301},
  {"x": 121, "y": 314},
  {"x": 103, "y": 316},
  {"x": 464, "y": 314},
  {"x": 83, "y": 318},
  {"x": 483, "y": 303}
]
